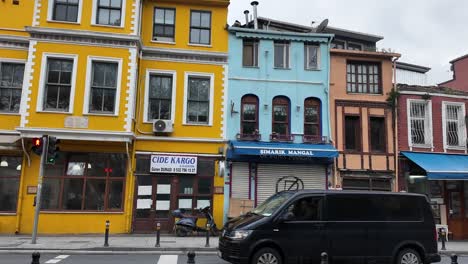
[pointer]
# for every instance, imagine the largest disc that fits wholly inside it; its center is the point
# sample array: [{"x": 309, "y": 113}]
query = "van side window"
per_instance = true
[
  {"x": 400, "y": 208},
  {"x": 306, "y": 209},
  {"x": 350, "y": 208}
]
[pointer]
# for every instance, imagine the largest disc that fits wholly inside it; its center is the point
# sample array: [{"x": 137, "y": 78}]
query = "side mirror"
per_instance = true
[{"x": 285, "y": 217}]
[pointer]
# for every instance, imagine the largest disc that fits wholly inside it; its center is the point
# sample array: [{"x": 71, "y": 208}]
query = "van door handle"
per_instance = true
[{"x": 275, "y": 230}]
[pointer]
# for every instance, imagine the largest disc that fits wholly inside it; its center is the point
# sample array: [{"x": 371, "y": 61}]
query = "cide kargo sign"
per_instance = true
[{"x": 173, "y": 164}]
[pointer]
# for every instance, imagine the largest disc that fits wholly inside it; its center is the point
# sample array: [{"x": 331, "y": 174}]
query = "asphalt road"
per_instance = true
[{"x": 131, "y": 258}]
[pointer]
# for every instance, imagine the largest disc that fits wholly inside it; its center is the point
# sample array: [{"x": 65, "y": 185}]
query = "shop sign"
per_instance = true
[
  {"x": 173, "y": 164},
  {"x": 287, "y": 152}
]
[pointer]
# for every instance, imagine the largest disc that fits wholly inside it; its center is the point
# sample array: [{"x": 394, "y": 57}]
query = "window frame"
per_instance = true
[
  {"x": 13, "y": 212},
  {"x": 94, "y": 16},
  {"x": 187, "y": 76},
  {"x": 165, "y": 38},
  {"x": 461, "y": 133},
  {"x": 43, "y": 81},
  {"x": 88, "y": 86},
  {"x": 149, "y": 73},
  {"x": 358, "y": 137},
  {"x": 306, "y": 56},
  {"x": 255, "y": 47},
  {"x": 13, "y": 61},
  {"x": 200, "y": 27},
  {"x": 348, "y": 43},
  {"x": 427, "y": 125},
  {"x": 288, "y": 116},
  {"x": 385, "y": 132},
  {"x": 286, "y": 47},
  {"x": 308, "y": 102},
  {"x": 249, "y": 99},
  {"x": 340, "y": 42},
  {"x": 365, "y": 85},
  {"x": 51, "y": 12}
]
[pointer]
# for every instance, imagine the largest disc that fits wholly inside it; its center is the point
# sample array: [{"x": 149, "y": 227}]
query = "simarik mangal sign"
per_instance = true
[{"x": 173, "y": 164}]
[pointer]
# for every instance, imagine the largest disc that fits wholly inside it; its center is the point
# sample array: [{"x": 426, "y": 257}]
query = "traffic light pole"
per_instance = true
[{"x": 39, "y": 190}]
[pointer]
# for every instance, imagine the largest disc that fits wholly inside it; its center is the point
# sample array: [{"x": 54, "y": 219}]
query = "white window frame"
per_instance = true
[
  {"x": 256, "y": 47},
  {"x": 287, "y": 46},
  {"x": 306, "y": 56},
  {"x": 18, "y": 61},
  {"x": 461, "y": 133},
  {"x": 202, "y": 75},
  {"x": 43, "y": 76},
  {"x": 94, "y": 15},
  {"x": 150, "y": 72},
  {"x": 427, "y": 125},
  {"x": 50, "y": 13},
  {"x": 89, "y": 68}
]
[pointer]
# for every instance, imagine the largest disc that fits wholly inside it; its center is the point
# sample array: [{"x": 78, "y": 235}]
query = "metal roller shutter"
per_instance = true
[
  {"x": 240, "y": 180},
  {"x": 313, "y": 176}
]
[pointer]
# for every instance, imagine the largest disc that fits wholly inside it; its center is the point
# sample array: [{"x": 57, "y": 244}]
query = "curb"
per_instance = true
[
  {"x": 106, "y": 252},
  {"x": 117, "y": 249}
]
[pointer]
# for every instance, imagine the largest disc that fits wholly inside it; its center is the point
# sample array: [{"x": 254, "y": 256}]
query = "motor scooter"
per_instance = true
[{"x": 187, "y": 223}]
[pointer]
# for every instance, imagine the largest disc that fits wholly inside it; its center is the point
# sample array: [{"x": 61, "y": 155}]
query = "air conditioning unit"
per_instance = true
[{"x": 163, "y": 126}]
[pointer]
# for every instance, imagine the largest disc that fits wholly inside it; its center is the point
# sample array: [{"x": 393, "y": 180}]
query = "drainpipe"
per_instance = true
[
  {"x": 255, "y": 4},
  {"x": 394, "y": 126},
  {"x": 246, "y": 13},
  {"x": 330, "y": 134}
]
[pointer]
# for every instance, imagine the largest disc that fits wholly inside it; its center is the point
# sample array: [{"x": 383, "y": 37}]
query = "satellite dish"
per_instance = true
[{"x": 322, "y": 26}]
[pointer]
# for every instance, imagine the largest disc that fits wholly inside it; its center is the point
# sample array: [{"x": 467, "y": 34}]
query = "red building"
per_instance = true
[
  {"x": 433, "y": 151},
  {"x": 460, "y": 74}
]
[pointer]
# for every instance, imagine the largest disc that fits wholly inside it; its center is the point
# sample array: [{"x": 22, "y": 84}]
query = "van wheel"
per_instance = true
[
  {"x": 408, "y": 256},
  {"x": 266, "y": 256}
]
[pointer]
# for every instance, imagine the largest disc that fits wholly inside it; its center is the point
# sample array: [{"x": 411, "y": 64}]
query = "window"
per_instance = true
[
  {"x": 11, "y": 83},
  {"x": 367, "y": 183},
  {"x": 363, "y": 77},
  {"x": 311, "y": 56},
  {"x": 281, "y": 55},
  {"x": 109, "y": 12},
  {"x": 454, "y": 124},
  {"x": 312, "y": 118},
  {"x": 160, "y": 97},
  {"x": 306, "y": 209},
  {"x": 10, "y": 173},
  {"x": 249, "y": 116},
  {"x": 281, "y": 116},
  {"x": 85, "y": 182},
  {"x": 198, "y": 100},
  {"x": 420, "y": 123},
  {"x": 200, "y": 27},
  {"x": 58, "y": 84},
  {"x": 338, "y": 44},
  {"x": 66, "y": 10},
  {"x": 103, "y": 87},
  {"x": 377, "y": 134},
  {"x": 352, "y": 133},
  {"x": 164, "y": 24},
  {"x": 250, "y": 53},
  {"x": 354, "y": 46}
]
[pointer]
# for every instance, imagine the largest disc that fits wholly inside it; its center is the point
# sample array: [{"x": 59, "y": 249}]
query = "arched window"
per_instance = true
[
  {"x": 312, "y": 124},
  {"x": 249, "y": 117},
  {"x": 281, "y": 117}
]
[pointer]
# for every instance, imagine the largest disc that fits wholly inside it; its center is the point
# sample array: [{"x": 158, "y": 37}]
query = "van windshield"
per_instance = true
[{"x": 272, "y": 204}]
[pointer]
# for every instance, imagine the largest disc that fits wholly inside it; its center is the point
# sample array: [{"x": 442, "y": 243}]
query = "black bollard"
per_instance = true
[
  {"x": 158, "y": 234},
  {"x": 442, "y": 236},
  {"x": 324, "y": 258},
  {"x": 106, "y": 236},
  {"x": 454, "y": 259},
  {"x": 191, "y": 257},
  {"x": 35, "y": 258},
  {"x": 207, "y": 235}
]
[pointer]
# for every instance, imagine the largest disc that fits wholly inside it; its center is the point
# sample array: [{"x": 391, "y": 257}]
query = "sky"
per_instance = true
[{"x": 425, "y": 32}]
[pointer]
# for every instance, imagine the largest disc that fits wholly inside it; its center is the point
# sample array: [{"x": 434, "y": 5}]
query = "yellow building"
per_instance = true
[
  {"x": 134, "y": 91},
  {"x": 182, "y": 77}
]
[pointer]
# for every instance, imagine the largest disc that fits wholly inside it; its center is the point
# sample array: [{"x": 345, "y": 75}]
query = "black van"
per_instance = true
[{"x": 350, "y": 226}]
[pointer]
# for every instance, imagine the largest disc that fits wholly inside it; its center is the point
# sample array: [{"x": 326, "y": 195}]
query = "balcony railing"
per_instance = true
[
  {"x": 281, "y": 137},
  {"x": 249, "y": 137},
  {"x": 312, "y": 139}
]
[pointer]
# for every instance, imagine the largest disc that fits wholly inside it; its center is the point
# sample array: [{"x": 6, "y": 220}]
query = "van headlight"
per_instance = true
[{"x": 240, "y": 234}]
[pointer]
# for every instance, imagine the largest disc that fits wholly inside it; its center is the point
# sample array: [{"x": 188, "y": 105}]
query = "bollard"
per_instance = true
[
  {"x": 35, "y": 258},
  {"x": 191, "y": 257},
  {"x": 207, "y": 235},
  {"x": 106, "y": 236},
  {"x": 324, "y": 258},
  {"x": 442, "y": 237},
  {"x": 158, "y": 234},
  {"x": 454, "y": 259}
]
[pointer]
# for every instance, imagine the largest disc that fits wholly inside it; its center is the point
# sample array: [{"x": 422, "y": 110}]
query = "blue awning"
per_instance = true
[
  {"x": 272, "y": 149},
  {"x": 441, "y": 166}
]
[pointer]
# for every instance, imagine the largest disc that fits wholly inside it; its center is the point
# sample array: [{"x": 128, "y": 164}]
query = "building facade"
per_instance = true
[
  {"x": 277, "y": 111},
  {"x": 459, "y": 68},
  {"x": 433, "y": 151}
]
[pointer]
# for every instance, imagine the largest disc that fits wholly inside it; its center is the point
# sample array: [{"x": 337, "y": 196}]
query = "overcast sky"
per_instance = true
[{"x": 425, "y": 32}]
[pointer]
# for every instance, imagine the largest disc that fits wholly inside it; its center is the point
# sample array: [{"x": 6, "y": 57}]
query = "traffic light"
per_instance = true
[
  {"x": 52, "y": 149},
  {"x": 37, "y": 146}
]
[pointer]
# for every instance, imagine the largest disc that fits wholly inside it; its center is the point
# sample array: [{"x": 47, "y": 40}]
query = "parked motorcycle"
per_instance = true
[{"x": 187, "y": 223}]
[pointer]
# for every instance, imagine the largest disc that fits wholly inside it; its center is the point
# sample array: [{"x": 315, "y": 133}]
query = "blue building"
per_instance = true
[{"x": 278, "y": 122}]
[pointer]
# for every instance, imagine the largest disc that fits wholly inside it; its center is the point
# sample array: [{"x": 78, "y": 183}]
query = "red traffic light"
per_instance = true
[
  {"x": 37, "y": 142},
  {"x": 37, "y": 146}
]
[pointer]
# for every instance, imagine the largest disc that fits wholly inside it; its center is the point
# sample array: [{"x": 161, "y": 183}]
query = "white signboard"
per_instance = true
[
  {"x": 173, "y": 164},
  {"x": 164, "y": 189},
  {"x": 144, "y": 203},
  {"x": 145, "y": 190}
]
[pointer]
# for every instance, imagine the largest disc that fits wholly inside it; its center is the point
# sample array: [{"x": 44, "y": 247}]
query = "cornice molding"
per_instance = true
[
  {"x": 73, "y": 134},
  {"x": 14, "y": 42},
  {"x": 184, "y": 55}
]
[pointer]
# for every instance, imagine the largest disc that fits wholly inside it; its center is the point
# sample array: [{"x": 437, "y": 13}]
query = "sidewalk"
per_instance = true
[
  {"x": 94, "y": 243},
  {"x": 454, "y": 247}
]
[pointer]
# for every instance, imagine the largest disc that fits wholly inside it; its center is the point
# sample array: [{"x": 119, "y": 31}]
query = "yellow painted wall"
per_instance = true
[
  {"x": 219, "y": 35},
  {"x": 7, "y": 224},
  {"x": 96, "y": 122},
  {"x": 87, "y": 22},
  {"x": 14, "y": 18}
]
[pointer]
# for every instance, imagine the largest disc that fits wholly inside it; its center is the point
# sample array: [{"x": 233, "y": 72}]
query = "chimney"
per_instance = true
[
  {"x": 246, "y": 13},
  {"x": 255, "y": 4}
]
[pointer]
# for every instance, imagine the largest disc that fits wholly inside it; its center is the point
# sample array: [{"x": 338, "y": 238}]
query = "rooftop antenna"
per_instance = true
[{"x": 323, "y": 25}]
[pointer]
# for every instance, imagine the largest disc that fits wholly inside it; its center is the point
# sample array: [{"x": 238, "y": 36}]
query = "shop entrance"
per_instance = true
[
  {"x": 154, "y": 203},
  {"x": 457, "y": 211}
]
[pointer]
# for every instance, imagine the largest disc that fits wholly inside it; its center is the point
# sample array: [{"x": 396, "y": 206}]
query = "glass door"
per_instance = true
[{"x": 162, "y": 202}]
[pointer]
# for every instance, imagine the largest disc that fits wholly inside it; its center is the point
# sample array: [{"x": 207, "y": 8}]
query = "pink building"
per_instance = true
[{"x": 460, "y": 74}]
